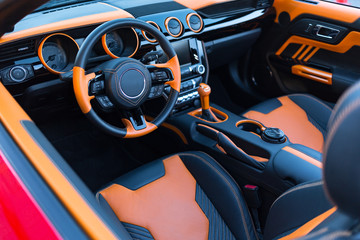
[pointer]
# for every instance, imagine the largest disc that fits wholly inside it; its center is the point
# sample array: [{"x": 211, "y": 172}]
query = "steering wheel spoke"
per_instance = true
[
  {"x": 168, "y": 73},
  {"x": 97, "y": 85},
  {"x": 136, "y": 124}
]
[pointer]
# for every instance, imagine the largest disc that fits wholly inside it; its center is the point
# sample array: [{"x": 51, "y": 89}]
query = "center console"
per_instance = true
[
  {"x": 262, "y": 155},
  {"x": 194, "y": 70}
]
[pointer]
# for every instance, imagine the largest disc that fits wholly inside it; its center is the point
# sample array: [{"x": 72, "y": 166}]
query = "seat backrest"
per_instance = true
[{"x": 341, "y": 157}]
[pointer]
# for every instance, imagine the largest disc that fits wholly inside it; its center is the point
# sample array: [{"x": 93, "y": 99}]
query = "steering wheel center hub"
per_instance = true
[
  {"x": 132, "y": 83},
  {"x": 128, "y": 82}
]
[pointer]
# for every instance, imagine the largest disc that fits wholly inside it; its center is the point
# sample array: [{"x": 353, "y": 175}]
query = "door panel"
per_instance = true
[{"x": 314, "y": 47}]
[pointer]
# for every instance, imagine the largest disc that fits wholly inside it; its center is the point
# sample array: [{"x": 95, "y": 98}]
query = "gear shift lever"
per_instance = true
[{"x": 204, "y": 91}]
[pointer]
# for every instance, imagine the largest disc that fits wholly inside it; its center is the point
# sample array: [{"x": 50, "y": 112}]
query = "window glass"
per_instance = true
[{"x": 353, "y": 3}]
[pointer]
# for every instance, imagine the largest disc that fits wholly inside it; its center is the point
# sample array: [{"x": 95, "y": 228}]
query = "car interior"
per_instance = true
[{"x": 180, "y": 119}]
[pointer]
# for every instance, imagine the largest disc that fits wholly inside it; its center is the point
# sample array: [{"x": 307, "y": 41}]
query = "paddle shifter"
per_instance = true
[{"x": 204, "y": 91}]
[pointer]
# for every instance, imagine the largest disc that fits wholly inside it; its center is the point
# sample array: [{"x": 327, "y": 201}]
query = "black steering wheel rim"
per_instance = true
[{"x": 80, "y": 80}]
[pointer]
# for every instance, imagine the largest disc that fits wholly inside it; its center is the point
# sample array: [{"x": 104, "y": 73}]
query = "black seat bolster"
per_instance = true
[
  {"x": 222, "y": 191},
  {"x": 295, "y": 207}
]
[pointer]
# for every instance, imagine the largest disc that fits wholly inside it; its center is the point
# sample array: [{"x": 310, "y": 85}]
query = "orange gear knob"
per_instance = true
[{"x": 204, "y": 91}]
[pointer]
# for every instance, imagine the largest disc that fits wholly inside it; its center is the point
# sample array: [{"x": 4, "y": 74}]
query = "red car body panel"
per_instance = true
[{"x": 20, "y": 215}]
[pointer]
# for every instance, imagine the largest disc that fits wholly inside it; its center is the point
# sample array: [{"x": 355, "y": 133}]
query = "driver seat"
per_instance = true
[{"x": 190, "y": 196}]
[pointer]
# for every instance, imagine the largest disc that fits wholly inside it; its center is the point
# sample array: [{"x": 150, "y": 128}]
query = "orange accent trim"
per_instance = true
[
  {"x": 321, "y": 9},
  {"x": 197, "y": 113},
  {"x": 352, "y": 39},
  {"x": 65, "y": 24},
  {"x": 312, "y": 73},
  {"x": 107, "y": 50},
  {"x": 294, "y": 121},
  {"x": 206, "y": 126},
  {"x": 174, "y": 65},
  {"x": 40, "y": 48},
  {"x": 311, "y": 54},
  {"x": 144, "y": 33},
  {"x": 309, "y": 226},
  {"x": 302, "y": 155},
  {"x": 204, "y": 91},
  {"x": 110, "y": 5},
  {"x": 194, "y": 5},
  {"x": 298, "y": 51},
  {"x": 188, "y": 22},
  {"x": 166, "y": 207},
  {"x": 167, "y": 27},
  {"x": 132, "y": 133},
  {"x": 251, "y": 121},
  {"x": 305, "y": 52},
  {"x": 11, "y": 115},
  {"x": 177, "y": 131},
  {"x": 172, "y": 128},
  {"x": 221, "y": 149},
  {"x": 81, "y": 85}
]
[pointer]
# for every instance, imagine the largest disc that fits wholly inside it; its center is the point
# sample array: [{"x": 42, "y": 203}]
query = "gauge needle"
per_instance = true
[{"x": 51, "y": 58}]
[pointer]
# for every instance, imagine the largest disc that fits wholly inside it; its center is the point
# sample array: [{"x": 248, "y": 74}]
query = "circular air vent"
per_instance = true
[
  {"x": 147, "y": 35},
  {"x": 195, "y": 22},
  {"x": 173, "y": 26}
]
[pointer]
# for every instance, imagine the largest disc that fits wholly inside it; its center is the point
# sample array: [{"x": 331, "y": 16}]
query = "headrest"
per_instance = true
[{"x": 342, "y": 153}]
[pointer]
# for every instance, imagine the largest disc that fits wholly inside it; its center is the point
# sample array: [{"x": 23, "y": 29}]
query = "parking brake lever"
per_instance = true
[{"x": 225, "y": 144}]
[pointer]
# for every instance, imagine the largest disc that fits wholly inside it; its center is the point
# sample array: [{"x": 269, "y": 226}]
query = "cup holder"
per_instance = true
[{"x": 271, "y": 135}]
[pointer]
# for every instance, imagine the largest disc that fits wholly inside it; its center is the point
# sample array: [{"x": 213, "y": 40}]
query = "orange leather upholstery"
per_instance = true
[
  {"x": 296, "y": 121},
  {"x": 174, "y": 215}
]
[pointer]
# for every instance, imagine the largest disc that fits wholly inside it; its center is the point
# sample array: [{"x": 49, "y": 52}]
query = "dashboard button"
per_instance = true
[{"x": 18, "y": 74}]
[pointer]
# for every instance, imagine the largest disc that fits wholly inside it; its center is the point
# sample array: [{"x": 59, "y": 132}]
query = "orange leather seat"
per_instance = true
[{"x": 303, "y": 118}]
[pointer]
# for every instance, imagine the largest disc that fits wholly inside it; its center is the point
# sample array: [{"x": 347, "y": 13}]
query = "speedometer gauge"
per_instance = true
[
  {"x": 54, "y": 56},
  {"x": 57, "y": 52}
]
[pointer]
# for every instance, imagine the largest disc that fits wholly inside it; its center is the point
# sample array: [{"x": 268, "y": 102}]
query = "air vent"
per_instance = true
[
  {"x": 194, "y": 22},
  {"x": 20, "y": 49},
  {"x": 173, "y": 26}
]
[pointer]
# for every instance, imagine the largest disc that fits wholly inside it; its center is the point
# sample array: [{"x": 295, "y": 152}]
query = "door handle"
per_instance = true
[{"x": 326, "y": 32}]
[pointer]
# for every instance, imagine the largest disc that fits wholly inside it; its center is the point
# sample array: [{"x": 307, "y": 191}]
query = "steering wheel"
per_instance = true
[{"x": 127, "y": 83}]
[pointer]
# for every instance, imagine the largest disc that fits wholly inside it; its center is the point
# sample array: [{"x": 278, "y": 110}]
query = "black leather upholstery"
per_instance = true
[
  {"x": 296, "y": 207},
  {"x": 342, "y": 153},
  {"x": 223, "y": 192}
]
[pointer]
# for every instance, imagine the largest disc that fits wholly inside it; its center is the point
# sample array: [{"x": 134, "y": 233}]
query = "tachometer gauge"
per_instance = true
[
  {"x": 54, "y": 56},
  {"x": 114, "y": 43},
  {"x": 122, "y": 42},
  {"x": 57, "y": 52}
]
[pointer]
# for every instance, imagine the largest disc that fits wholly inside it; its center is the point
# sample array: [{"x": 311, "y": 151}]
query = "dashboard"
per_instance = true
[{"x": 36, "y": 56}]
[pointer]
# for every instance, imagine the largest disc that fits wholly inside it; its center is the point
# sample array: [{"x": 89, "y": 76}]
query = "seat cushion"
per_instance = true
[
  {"x": 184, "y": 196},
  {"x": 303, "y": 118}
]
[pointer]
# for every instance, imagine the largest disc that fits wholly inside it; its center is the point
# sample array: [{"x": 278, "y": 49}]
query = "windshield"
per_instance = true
[{"x": 58, "y": 3}]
